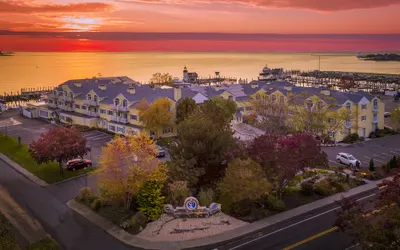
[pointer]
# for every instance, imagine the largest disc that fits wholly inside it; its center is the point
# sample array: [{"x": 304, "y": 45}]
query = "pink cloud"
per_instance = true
[
  {"x": 316, "y": 5},
  {"x": 7, "y": 6}
]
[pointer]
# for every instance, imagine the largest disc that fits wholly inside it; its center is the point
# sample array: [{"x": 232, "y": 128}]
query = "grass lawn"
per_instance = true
[
  {"x": 44, "y": 244},
  {"x": 49, "y": 173},
  {"x": 7, "y": 237}
]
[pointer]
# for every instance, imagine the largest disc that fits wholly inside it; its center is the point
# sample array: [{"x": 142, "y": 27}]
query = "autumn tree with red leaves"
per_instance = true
[
  {"x": 374, "y": 230},
  {"x": 282, "y": 157},
  {"x": 58, "y": 144}
]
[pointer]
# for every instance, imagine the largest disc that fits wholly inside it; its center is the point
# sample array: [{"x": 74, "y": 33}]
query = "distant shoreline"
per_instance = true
[{"x": 392, "y": 57}]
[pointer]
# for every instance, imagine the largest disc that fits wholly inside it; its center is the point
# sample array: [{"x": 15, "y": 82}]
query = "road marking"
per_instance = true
[
  {"x": 332, "y": 229},
  {"x": 382, "y": 187},
  {"x": 369, "y": 158},
  {"x": 353, "y": 246},
  {"x": 394, "y": 152},
  {"x": 297, "y": 223},
  {"x": 386, "y": 154},
  {"x": 311, "y": 238},
  {"x": 379, "y": 156}
]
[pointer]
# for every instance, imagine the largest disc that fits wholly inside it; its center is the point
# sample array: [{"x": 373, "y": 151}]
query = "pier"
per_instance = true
[{"x": 15, "y": 99}]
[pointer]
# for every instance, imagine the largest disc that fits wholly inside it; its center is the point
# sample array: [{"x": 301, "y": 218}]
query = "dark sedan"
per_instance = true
[{"x": 78, "y": 164}]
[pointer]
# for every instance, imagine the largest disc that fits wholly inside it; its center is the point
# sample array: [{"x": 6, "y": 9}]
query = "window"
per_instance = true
[
  {"x": 111, "y": 128},
  {"x": 133, "y": 117},
  {"x": 77, "y": 106},
  {"x": 290, "y": 112},
  {"x": 230, "y": 97},
  {"x": 375, "y": 103},
  {"x": 281, "y": 100},
  {"x": 43, "y": 113},
  {"x": 95, "y": 98},
  {"x": 103, "y": 111},
  {"x": 273, "y": 98},
  {"x": 348, "y": 105},
  {"x": 116, "y": 102},
  {"x": 320, "y": 105},
  {"x": 89, "y": 97},
  {"x": 257, "y": 96},
  {"x": 375, "y": 115},
  {"x": 110, "y": 112},
  {"x": 330, "y": 120},
  {"x": 71, "y": 95},
  {"x": 364, "y": 106},
  {"x": 309, "y": 104},
  {"x": 120, "y": 129},
  {"x": 331, "y": 134},
  {"x": 167, "y": 130},
  {"x": 125, "y": 103},
  {"x": 60, "y": 103},
  {"x": 363, "y": 118},
  {"x": 50, "y": 101},
  {"x": 83, "y": 107}
]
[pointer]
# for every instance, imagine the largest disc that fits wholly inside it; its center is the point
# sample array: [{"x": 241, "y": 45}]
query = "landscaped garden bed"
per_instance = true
[{"x": 48, "y": 172}]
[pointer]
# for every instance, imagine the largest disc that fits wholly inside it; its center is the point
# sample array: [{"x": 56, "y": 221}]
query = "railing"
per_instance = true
[
  {"x": 119, "y": 119},
  {"x": 91, "y": 113},
  {"x": 348, "y": 124},
  {"x": 119, "y": 108},
  {"x": 375, "y": 108},
  {"x": 52, "y": 105},
  {"x": 91, "y": 103},
  {"x": 52, "y": 96},
  {"x": 375, "y": 120},
  {"x": 67, "y": 98}
]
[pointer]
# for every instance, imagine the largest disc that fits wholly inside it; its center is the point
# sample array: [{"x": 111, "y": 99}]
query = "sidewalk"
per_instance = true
[
  {"x": 219, "y": 239},
  {"x": 27, "y": 226}
]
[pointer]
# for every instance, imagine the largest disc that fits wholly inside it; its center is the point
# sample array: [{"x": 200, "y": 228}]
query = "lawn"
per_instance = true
[
  {"x": 44, "y": 244},
  {"x": 49, "y": 173}
]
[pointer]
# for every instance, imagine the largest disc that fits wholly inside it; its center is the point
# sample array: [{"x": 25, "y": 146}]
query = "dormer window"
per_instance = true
[
  {"x": 230, "y": 97},
  {"x": 95, "y": 98},
  {"x": 375, "y": 103},
  {"x": 281, "y": 100},
  {"x": 71, "y": 95},
  {"x": 116, "y": 102},
  {"x": 348, "y": 105},
  {"x": 273, "y": 98},
  {"x": 89, "y": 97},
  {"x": 320, "y": 105},
  {"x": 125, "y": 103}
]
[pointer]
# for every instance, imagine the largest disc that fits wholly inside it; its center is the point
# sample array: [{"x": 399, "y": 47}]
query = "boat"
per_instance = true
[{"x": 4, "y": 53}]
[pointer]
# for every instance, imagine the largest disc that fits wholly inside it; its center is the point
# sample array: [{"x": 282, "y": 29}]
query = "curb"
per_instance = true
[
  {"x": 218, "y": 239},
  {"x": 23, "y": 171}
]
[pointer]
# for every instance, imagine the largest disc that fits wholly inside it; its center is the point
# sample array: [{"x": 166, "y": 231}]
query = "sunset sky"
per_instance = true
[{"x": 134, "y": 25}]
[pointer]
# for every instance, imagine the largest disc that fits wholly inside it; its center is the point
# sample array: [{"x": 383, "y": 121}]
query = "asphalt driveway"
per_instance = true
[{"x": 379, "y": 149}]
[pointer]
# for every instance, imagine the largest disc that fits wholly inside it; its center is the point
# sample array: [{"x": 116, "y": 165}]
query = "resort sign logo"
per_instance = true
[{"x": 191, "y": 203}]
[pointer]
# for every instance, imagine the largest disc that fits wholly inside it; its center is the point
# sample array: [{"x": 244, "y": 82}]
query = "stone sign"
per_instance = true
[{"x": 192, "y": 209}]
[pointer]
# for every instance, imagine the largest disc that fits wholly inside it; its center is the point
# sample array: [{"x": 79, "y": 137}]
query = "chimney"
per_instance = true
[
  {"x": 177, "y": 94},
  {"x": 217, "y": 88},
  {"x": 254, "y": 84},
  {"x": 288, "y": 88},
  {"x": 131, "y": 90},
  {"x": 102, "y": 87},
  {"x": 78, "y": 84}
]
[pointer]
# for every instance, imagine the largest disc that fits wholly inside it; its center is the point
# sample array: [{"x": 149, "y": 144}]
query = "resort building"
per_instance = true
[{"x": 110, "y": 103}]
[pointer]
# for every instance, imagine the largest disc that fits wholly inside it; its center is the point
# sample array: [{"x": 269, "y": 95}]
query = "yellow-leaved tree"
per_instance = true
[
  {"x": 126, "y": 164},
  {"x": 156, "y": 115}
]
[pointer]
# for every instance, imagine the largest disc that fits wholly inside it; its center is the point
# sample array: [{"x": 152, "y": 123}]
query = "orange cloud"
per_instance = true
[
  {"x": 7, "y": 6},
  {"x": 316, "y": 5}
]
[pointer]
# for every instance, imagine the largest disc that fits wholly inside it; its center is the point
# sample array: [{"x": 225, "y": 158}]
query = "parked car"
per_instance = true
[
  {"x": 348, "y": 160},
  {"x": 76, "y": 164},
  {"x": 386, "y": 114},
  {"x": 160, "y": 152}
]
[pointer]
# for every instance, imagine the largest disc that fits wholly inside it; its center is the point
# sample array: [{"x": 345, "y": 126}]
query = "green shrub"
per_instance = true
[
  {"x": 178, "y": 191},
  {"x": 296, "y": 180},
  {"x": 323, "y": 188},
  {"x": 393, "y": 162},
  {"x": 96, "y": 204},
  {"x": 275, "y": 204},
  {"x": 340, "y": 186},
  {"x": 86, "y": 195},
  {"x": 371, "y": 165},
  {"x": 44, "y": 244},
  {"x": 361, "y": 139},
  {"x": 138, "y": 222},
  {"x": 150, "y": 199},
  {"x": 206, "y": 197},
  {"x": 307, "y": 188},
  {"x": 242, "y": 208},
  {"x": 351, "y": 138},
  {"x": 7, "y": 237}
]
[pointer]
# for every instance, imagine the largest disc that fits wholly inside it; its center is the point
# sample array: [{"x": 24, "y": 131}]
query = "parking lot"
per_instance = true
[{"x": 381, "y": 150}]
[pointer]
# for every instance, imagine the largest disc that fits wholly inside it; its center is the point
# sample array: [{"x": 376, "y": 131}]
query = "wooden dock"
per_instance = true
[{"x": 15, "y": 99}]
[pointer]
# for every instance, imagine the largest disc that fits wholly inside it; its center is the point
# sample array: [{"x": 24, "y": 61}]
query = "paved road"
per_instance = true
[
  {"x": 71, "y": 230},
  {"x": 379, "y": 149},
  {"x": 312, "y": 231}
]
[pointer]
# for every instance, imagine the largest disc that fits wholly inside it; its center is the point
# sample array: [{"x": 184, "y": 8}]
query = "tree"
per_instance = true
[
  {"x": 126, "y": 163},
  {"x": 272, "y": 150},
  {"x": 204, "y": 138},
  {"x": 244, "y": 179},
  {"x": 185, "y": 108},
  {"x": 219, "y": 110},
  {"x": 58, "y": 144},
  {"x": 371, "y": 165},
  {"x": 157, "y": 115},
  {"x": 69, "y": 120},
  {"x": 272, "y": 113},
  {"x": 379, "y": 230},
  {"x": 395, "y": 118},
  {"x": 161, "y": 79}
]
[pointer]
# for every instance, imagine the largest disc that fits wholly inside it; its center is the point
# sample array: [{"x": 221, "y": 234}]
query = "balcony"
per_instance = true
[
  {"x": 119, "y": 119},
  {"x": 375, "y": 108},
  {"x": 52, "y": 105},
  {"x": 91, "y": 113},
  {"x": 375, "y": 119},
  {"x": 67, "y": 99},
  {"x": 347, "y": 124},
  {"x": 119, "y": 108},
  {"x": 52, "y": 96},
  {"x": 91, "y": 103}
]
